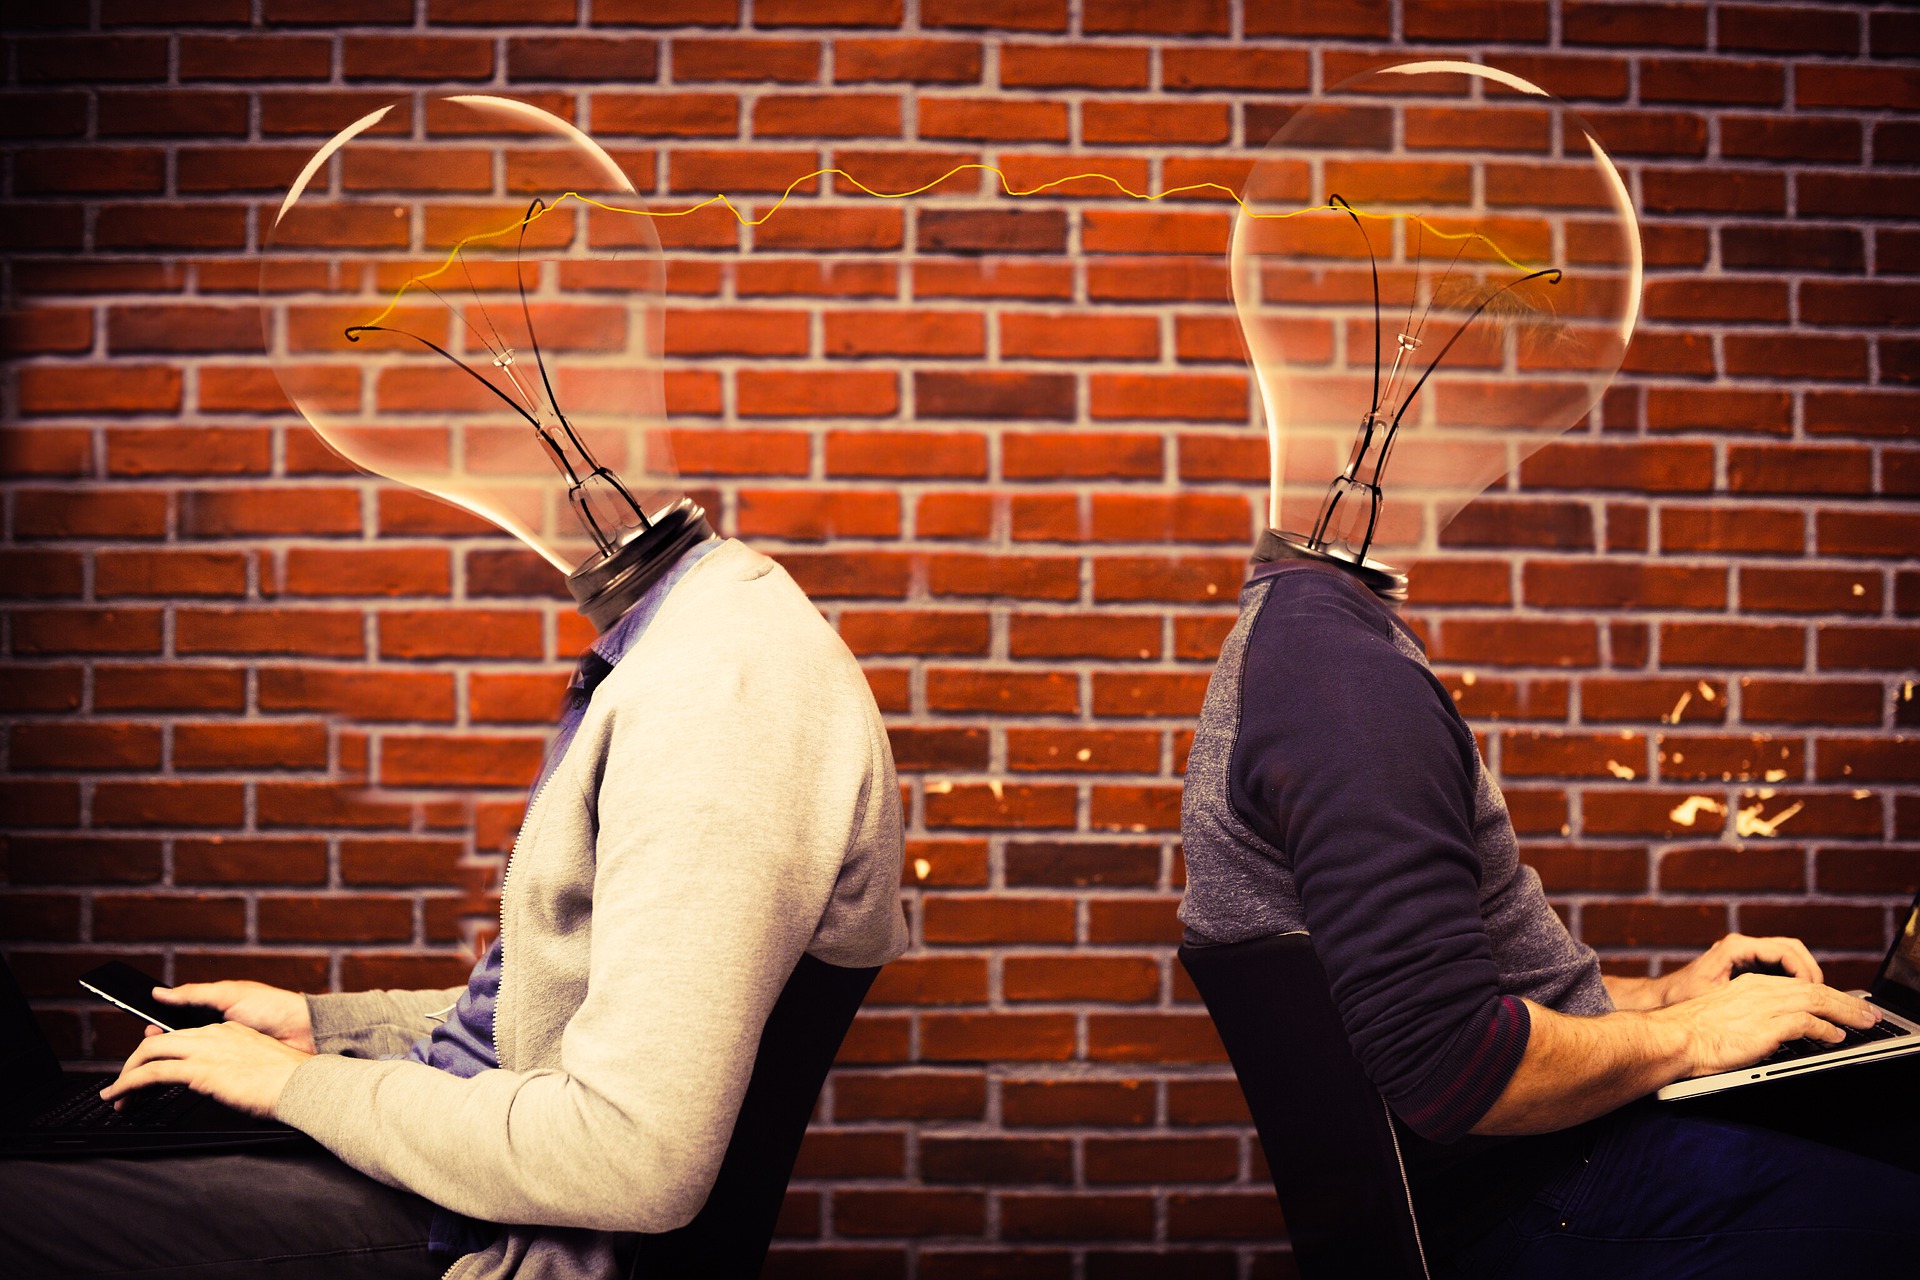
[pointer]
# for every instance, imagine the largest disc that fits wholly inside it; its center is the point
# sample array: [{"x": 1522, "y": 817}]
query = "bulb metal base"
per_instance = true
[
  {"x": 607, "y": 585},
  {"x": 1383, "y": 580}
]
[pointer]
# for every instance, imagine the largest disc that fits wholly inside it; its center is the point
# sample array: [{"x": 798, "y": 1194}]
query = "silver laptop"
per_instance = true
[{"x": 1895, "y": 992}]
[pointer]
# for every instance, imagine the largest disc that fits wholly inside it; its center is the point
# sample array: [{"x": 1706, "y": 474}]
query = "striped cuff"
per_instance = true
[{"x": 1471, "y": 1075}]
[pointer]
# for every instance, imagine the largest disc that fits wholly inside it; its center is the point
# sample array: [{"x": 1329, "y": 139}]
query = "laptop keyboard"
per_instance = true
[
  {"x": 1793, "y": 1050},
  {"x": 148, "y": 1109}
]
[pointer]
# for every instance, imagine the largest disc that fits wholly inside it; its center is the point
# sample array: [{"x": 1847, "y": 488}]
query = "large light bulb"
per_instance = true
[
  {"x": 447, "y": 314},
  {"x": 1437, "y": 270}
]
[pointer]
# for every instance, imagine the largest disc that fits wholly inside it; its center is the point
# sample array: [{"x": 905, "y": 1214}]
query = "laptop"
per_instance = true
[
  {"x": 45, "y": 1111},
  {"x": 1895, "y": 992}
]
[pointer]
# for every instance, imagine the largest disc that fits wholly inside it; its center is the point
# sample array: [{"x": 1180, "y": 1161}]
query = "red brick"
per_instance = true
[
  {"x": 1715, "y": 80},
  {"x": 905, "y": 454},
  {"x": 105, "y": 746},
  {"x": 920, "y": 1095},
  {"x": 1144, "y": 693},
  {"x": 49, "y": 631},
  {"x": 1613, "y": 23},
  {"x": 1297, "y": 18},
  {"x": 461, "y": 633},
  {"x": 1075, "y": 1215},
  {"x": 1053, "y": 66},
  {"x": 1788, "y": 590},
  {"x": 170, "y": 573},
  {"x": 1731, "y": 530},
  {"x": 592, "y": 58},
  {"x": 224, "y": 860},
  {"x": 993, "y": 120},
  {"x": 1157, "y": 124},
  {"x": 359, "y": 918},
  {"x": 1223, "y": 1215},
  {"x": 770, "y": 394},
  {"x": 922, "y": 61},
  {"x": 970, "y": 805},
  {"x": 1715, "y": 409},
  {"x": 92, "y": 389},
  {"x": 925, "y": 632},
  {"x": 1089, "y": 635},
  {"x": 1258, "y": 70},
  {"x": 1063, "y": 864},
  {"x": 833, "y": 115},
  {"x": 396, "y": 57},
  {"x": 229, "y": 746},
  {"x": 953, "y": 515},
  {"x": 1870, "y": 534},
  {"x": 996, "y": 1037},
  {"x": 1811, "y": 702},
  {"x": 1452, "y": 21},
  {"x": 816, "y": 515},
  {"x": 149, "y": 917}
]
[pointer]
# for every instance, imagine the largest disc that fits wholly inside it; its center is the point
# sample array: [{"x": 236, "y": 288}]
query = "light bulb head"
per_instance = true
[
  {"x": 451, "y": 299},
  {"x": 1436, "y": 269}
]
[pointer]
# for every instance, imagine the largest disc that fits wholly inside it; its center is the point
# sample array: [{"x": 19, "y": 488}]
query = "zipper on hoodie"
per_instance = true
[
  {"x": 500, "y": 993},
  {"x": 519, "y": 837}
]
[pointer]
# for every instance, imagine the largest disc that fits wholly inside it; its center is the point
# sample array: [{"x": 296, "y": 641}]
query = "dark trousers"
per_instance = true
[
  {"x": 1818, "y": 1176},
  {"x": 209, "y": 1217}
]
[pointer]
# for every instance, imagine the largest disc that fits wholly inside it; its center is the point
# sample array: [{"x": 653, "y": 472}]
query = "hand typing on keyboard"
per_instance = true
[
  {"x": 244, "y": 1068},
  {"x": 1743, "y": 1020},
  {"x": 1796, "y": 1049}
]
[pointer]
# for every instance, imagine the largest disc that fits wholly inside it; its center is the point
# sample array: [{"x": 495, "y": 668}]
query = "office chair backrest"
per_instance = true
[
  {"x": 1328, "y": 1137},
  {"x": 728, "y": 1239}
]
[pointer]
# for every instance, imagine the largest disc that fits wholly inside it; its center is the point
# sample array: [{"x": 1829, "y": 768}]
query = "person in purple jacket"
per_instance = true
[{"x": 1333, "y": 789}]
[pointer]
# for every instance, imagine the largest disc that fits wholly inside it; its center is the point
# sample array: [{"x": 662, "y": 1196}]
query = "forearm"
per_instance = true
[
  {"x": 1577, "y": 1068},
  {"x": 372, "y": 1024},
  {"x": 1636, "y": 993}
]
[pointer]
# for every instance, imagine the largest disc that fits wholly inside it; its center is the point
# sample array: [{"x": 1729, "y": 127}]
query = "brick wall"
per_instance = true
[{"x": 1024, "y": 497}]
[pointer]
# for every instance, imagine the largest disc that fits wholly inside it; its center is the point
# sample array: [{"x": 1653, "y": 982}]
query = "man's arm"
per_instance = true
[
  {"x": 1577, "y": 1068},
  {"x": 719, "y": 792}
]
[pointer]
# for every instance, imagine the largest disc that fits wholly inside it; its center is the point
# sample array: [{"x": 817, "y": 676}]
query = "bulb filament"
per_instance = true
[
  {"x": 1348, "y": 495},
  {"x": 600, "y": 501}
]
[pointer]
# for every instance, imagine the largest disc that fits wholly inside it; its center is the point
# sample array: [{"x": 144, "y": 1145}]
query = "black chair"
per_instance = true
[
  {"x": 1328, "y": 1136},
  {"x": 728, "y": 1238}
]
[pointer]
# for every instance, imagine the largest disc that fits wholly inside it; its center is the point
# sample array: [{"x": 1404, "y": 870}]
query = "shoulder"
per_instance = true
[
  {"x": 1323, "y": 673},
  {"x": 737, "y": 628},
  {"x": 1317, "y": 631}
]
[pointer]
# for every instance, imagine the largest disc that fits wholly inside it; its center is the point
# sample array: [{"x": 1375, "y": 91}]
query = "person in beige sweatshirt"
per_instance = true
[{"x": 727, "y": 803}]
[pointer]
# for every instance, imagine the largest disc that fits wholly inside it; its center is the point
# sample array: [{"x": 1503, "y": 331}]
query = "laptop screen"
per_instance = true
[
  {"x": 1899, "y": 984},
  {"x": 27, "y": 1061}
]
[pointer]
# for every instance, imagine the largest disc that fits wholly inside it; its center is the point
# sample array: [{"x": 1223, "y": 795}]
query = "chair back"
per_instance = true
[
  {"x": 1328, "y": 1136},
  {"x": 728, "y": 1238}
]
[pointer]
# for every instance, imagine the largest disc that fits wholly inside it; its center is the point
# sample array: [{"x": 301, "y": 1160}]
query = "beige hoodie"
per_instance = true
[{"x": 728, "y": 803}]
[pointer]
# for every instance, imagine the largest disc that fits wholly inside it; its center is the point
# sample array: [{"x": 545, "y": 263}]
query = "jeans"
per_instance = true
[
  {"x": 300, "y": 1216},
  {"x": 1816, "y": 1177}
]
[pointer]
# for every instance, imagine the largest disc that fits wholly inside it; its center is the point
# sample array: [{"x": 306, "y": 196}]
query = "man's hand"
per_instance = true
[
  {"x": 1743, "y": 1020},
  {"x": 229, "y": 1062},
  {"x": 1714, "y": 967},
  {"x": 268, "y": 1010}
]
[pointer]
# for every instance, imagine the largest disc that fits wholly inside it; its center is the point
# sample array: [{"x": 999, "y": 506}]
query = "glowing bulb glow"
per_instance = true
[
  {"x": 517, "y": 377},
  {"x": 1459, "y": 289}
]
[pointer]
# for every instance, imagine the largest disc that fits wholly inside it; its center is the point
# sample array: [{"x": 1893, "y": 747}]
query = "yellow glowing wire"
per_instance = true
[{"x": 534, "y": 215}]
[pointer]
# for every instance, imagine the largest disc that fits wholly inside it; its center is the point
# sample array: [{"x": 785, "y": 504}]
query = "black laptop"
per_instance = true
[{"x": 45, "y": 1111}]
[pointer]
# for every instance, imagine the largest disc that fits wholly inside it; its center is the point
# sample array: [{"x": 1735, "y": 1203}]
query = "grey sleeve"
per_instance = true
[{"x": 375, "y": 1024}]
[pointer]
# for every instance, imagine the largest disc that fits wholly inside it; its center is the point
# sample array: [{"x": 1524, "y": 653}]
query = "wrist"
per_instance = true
[
  {"x": 1669, "y": 1043},
  {"x": 1660, "y": 991}
]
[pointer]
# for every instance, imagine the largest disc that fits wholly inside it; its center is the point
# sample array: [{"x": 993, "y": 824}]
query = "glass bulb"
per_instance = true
[
  {"x": 1437, "y": 270},
  {"x": 447, "y": 309}
]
